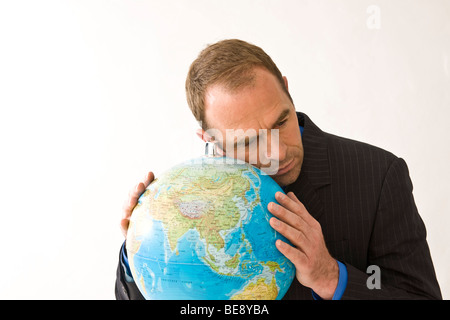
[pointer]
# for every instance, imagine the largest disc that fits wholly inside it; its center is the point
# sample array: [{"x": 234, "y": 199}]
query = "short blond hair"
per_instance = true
[{"x": 229, "y": 63}]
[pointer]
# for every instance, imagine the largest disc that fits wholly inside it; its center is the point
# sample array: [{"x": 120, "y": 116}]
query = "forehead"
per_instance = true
[{"x": 256, "y": 106}]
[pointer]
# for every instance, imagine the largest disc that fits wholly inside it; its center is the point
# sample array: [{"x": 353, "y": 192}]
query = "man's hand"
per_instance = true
[
  {"x": 315, "y": 267},
  {"x": 132, "y": 200}
]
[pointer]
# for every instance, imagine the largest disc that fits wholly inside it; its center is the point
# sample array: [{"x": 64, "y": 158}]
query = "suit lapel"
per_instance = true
[{"x": 315, "y": 172}]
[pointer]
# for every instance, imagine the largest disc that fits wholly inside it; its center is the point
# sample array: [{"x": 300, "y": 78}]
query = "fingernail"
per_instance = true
[
  {"x": 282, "y": 195},
  {"x": 279, "y": 243},
  {"x": 275, "y": 222},
  {"x": 272, "y": 206}
]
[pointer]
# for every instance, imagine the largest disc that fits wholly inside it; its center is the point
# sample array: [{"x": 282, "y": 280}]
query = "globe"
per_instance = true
[{"x": 201, "y": 231}]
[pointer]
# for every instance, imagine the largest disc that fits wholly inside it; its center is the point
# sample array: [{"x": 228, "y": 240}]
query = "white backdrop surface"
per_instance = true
[{"x": 92, "y": 97}]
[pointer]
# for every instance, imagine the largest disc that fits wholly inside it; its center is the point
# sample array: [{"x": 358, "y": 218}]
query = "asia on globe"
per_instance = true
[{"x": 201, "y": 231}]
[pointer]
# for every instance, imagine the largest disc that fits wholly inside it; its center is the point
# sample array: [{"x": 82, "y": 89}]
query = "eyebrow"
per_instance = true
[
  {"x": 283, "y": 115},
  {"x": 248, "y": 139}
]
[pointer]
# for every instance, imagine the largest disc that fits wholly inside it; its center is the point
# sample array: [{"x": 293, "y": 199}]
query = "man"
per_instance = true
[{"x": 348, "y": 206}]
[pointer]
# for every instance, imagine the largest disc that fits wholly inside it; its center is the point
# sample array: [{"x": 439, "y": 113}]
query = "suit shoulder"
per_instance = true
[{"x": 358, "y": 153}]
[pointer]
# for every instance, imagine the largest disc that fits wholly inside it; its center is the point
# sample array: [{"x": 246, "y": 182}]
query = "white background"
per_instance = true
[{"x": 92, "y": 97}]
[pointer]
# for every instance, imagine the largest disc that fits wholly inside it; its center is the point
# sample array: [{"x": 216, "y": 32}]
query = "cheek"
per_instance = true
[
  {"x": 290, "y": 139},
  {"x": 293, "y": 129},
  {"x": 292, "y": 136}
]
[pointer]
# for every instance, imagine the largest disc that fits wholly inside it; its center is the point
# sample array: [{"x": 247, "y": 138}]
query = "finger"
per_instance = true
[
  {"x": 307, "y": 216},
  {"x": 296, "y": 237},
  {"x": 294, "y": 255},
  {"x": 148, "y": 179},
  {"x": 126, "y": 212},
  {"x": 289, "y": 217},
  {"x": 294, "y": 205},
  {"x": 132, "y": 200},
  {"x": 137, "y": 192},
  {"x": 287, "y": 202},
  {"x": 124, "y": 223},
  {"x": 292, "y": 195},
  {"x": 129, "y": 205}
]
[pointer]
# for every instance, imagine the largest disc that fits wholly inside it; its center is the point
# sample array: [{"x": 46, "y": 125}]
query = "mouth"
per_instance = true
[{"x": 286, "y": 168}]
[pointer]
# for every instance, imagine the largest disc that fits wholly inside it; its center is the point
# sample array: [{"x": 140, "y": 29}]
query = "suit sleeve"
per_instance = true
[
  {"x": 397, "y": 246},
  {"x": 125, "y": 288}
]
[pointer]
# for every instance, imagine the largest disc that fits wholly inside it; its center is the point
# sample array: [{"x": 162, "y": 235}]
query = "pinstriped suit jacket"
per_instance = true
[{"x": 362, "y": 197}]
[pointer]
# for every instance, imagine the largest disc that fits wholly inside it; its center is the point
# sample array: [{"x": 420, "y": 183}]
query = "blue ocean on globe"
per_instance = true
[{"x": 201, "y": 231}]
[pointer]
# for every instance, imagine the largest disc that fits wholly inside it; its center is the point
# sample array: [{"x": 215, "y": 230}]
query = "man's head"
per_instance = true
[{"x": 235, "y": 85}]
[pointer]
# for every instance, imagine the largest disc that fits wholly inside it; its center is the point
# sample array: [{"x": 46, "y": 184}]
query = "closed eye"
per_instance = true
[{"x": 282, "y": 123}]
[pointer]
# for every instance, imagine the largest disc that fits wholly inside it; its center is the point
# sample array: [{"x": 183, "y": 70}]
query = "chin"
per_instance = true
[
  {"x": 287, "y": 178},
  {"x": 282, "y": 181}
]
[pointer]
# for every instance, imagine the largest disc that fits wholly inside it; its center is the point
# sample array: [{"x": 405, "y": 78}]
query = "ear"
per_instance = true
[
  {"x": 203, "y": 135},
  {"x": 206, "y": 137},
  {"x": 286, "y": 83}
]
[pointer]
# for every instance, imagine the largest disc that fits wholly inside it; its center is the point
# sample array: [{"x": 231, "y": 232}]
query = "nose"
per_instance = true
[{"x": 276, "y": 149}]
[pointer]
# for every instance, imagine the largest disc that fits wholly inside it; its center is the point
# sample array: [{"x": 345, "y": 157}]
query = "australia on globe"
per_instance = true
[{"x": 201, "y": 231}]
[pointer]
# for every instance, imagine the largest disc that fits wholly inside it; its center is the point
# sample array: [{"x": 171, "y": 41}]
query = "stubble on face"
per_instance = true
[{"x": 263, "y": 105}]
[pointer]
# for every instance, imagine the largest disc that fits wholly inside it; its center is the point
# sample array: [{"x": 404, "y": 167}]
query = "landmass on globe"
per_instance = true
[{"x": 201, "y": 231}]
